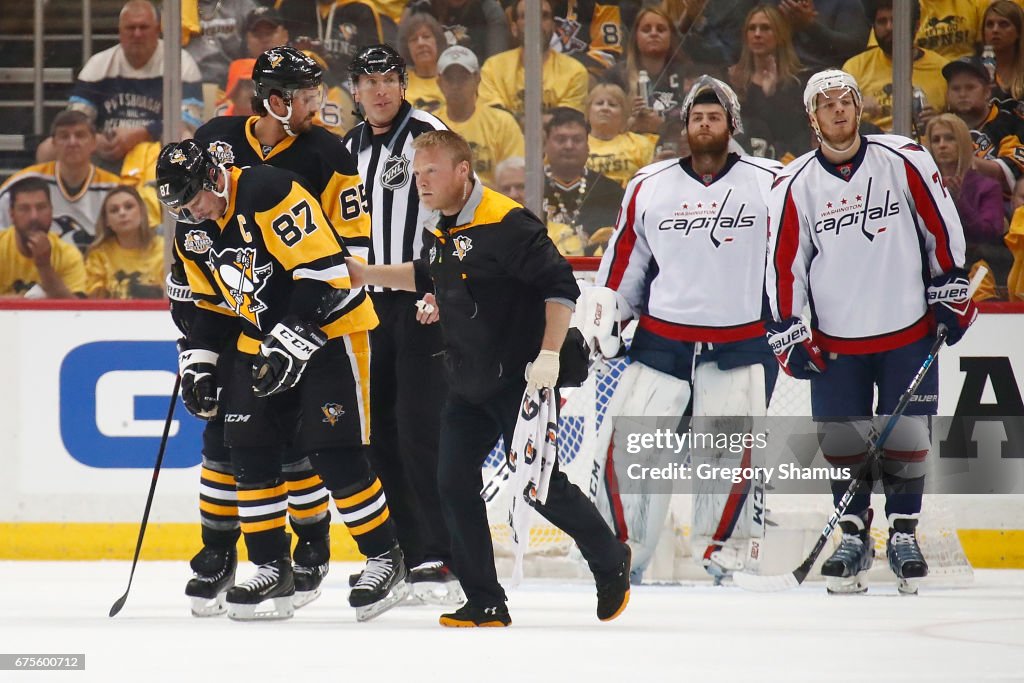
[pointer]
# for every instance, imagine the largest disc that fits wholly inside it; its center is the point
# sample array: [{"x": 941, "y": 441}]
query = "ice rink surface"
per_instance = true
[{"x": 668, "y": 633}]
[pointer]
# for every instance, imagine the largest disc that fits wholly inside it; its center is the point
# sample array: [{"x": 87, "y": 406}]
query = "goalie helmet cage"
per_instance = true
[{"x": 794, "y": 521}]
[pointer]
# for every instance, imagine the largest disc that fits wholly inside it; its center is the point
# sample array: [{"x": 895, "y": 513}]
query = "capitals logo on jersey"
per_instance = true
[
  {"x": 856, "y": 210},
  {"x": 462, "y": 246},
  {"x": 241, "y": 281},
  {"x": 711, "y": 216},
  {"x": 221, "y": 152},
  {"x": 394, "y": 172},
  {"x": 197, "y": 241}
]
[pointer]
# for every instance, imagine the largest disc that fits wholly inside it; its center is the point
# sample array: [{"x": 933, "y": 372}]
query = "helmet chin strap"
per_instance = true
[
  {"x": 821, "y": 138},
  {"x": 223, "y": 194},
  {"x": 283, "y": 119}
]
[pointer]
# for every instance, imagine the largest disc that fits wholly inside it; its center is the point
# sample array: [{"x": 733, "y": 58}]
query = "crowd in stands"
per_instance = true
[{"x": 614, "y": 77}]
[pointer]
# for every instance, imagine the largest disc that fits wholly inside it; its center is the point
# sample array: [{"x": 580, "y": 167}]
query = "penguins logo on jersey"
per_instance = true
[
  {"x": 198, "y": 242},
  {"x": 566, "y": 37},
  {"x": 332, "y": 413},
  {"x": 241, "y": 281},
  {"x": 178, "y": 157},
  {"x": 221, "y": 152},
  {"x": 663, "y": 101},
  {"x": 462, "y": 246},
  {"x": 394, "y": 172}
]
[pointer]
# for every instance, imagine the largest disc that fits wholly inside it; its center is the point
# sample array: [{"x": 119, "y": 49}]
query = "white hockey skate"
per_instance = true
[
  {"x": 904, "y": 554},
  {"x": 381, "y": 585},
  {"x": 267, "y": 595},
  {"x": 722, "y": 563}
]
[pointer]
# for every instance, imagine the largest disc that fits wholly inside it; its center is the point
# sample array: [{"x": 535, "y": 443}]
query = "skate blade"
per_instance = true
[
  {"x": 443, "y": 593},
  {"x": 849, "y": 585},
  {"x": 303, "y": 598},
  {"x": 395, "y": 596},
  {"x": 907, "y": 586},
  {"x": 282, "y": 608},
  {"x": 209, "y": 607}
]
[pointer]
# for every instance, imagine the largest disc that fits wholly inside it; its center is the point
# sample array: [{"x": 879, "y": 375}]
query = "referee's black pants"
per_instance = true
[
  {"x": 468, "y": 433},
  {"x": 407, "y": 390}
]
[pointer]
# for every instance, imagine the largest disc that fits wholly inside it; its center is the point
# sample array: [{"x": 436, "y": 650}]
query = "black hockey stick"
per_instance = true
[
  {"x": 781, "y": 582},
  {"x": 119, "y": 603}
]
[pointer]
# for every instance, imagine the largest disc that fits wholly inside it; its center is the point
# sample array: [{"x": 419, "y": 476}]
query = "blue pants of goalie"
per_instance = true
[
  {"x": 845, "y": 392},
  {"x": 468, "y": 433}
]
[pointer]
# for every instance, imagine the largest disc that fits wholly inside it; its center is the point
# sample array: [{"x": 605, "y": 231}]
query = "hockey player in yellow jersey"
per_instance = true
[
  {"x": 34, "y": 262},
  {"x": 258, "y": 251},
  {"x": 288, "y": 93},
  {"x": 492, "y": 133}
]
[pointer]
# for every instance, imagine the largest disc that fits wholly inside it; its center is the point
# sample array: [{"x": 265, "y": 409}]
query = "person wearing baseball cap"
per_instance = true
[
  {"x": 997, "y": 134},
  {"x": 264, "y": 29},
  {"x": 492, "y": 133}
]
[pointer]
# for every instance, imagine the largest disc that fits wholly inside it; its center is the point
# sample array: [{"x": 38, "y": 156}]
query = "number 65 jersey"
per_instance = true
[
  {"x": 860, "y": 242},
  {"x": 687, "y": 255},
  {"x": 274, "y": 253}
]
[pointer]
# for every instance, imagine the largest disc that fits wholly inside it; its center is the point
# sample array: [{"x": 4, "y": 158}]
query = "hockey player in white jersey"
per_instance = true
[
  {"x": 864, "y": 232},
  {"x": 687, "y": 261}
]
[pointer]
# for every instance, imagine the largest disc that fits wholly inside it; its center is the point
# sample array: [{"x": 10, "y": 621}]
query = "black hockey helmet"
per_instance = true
[
  {"x": 376, "y": 59},
  {"x": 182, "y": 170},
  {"x": 285, "y": 70}
]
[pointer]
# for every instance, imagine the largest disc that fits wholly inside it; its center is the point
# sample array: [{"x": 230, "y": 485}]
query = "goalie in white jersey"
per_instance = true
[
  {"x": 864, "y": 232},
  {"x": 687, "y": 261}
]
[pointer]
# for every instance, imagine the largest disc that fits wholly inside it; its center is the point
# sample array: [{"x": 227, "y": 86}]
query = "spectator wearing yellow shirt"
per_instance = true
[
  {"x": 492, "y": 134},
  {"x": 420, "y": 41},
  {"x": 950, "y": 27},
  {"x": 34, "y": 262},
  {"x": 503, "y": 79},
  {"x": 127, "y": 260},
  {"x": 873, "y": 71},
  {"x": 614, "y": 151}
]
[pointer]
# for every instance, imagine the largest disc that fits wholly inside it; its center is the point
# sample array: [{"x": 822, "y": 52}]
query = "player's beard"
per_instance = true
[
  {"x": 715, "y": 144},
  {"x": 303, "y": 126}
]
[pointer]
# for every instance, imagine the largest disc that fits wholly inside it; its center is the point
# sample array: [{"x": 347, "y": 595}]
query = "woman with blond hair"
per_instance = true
[
  {"x": 126, "y": 259},
  {"x": 653, "y": 48},
  {"x": 766, "y": 82},
  {"x": 614, "y": 151},
  {"x": 978, "y": 199},
  {"x": 1002, "y": 27}
]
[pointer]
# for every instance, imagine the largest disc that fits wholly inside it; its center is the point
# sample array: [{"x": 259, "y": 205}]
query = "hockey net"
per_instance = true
[{"x": 794, "y": 521}]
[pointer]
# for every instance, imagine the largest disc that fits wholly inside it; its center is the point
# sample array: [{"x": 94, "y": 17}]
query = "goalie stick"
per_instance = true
[
  {"x": 781, "y": 582},
  {"x": 119, "y": 603}
]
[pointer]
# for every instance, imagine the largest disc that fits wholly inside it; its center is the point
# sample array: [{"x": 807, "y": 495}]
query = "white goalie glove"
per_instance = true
[{"x": 597, "y": 317}]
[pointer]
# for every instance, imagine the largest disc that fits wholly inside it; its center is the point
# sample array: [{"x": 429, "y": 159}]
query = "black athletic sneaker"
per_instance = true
[
  {"x": 471, "y": 616},
  {"x": 613, "y": 589}
]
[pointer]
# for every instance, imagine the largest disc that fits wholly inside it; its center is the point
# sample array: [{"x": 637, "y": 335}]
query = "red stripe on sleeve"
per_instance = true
[
  {"x": 785, "y": 256},
  {"x": 624, "y": 245},
  {"x": 929, "y": 212}
]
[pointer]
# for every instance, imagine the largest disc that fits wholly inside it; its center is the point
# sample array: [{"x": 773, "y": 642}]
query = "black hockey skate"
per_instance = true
[
  {"x": 312, "y": 561},
  {"x": 613, "y": 589},
  {"x": 433, "y": 583},
  {"x": 905, "y": 557},
  {"x": 381, "y": 585},
  {"x": 272, "y": 582},
  {"x": 471, "y": 616},
  {"x": 214, "y": 574},
  {"x": 846, "y": 570}
]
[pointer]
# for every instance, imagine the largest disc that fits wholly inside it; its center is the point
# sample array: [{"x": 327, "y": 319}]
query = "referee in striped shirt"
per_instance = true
[{"x": 407, "y": 387}]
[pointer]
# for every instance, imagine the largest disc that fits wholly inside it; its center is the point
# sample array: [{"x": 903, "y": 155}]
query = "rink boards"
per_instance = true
[{"x": 85, "y": 402}]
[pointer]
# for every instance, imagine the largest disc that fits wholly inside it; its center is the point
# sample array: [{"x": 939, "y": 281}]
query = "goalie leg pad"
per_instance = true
[
  {"x": 728, "y": 516},
  {"x": 659, "y": 400}
]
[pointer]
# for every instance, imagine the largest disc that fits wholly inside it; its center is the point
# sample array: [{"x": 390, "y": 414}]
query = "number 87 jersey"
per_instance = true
[{"x": 273, "y": 244}]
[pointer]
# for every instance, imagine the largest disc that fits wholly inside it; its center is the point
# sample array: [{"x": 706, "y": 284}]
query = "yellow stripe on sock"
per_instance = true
[
  {"x": 357, "y": 498},
  {"x": 262, "y": 494},
  {"x": 219, "y": 477},
  {"x": 372, "y": 524},
  {"x": 266, "y": 525},
  {"x": 311, "y": 512},
  {"x": 307, "y": 483},
  {"x": 214, "y": 509}
]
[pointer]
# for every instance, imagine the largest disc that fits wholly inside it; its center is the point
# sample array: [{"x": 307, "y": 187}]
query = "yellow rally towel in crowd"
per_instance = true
[
  {"x": 1015, "y": 243},
  {"x": 189, "y": 20}
]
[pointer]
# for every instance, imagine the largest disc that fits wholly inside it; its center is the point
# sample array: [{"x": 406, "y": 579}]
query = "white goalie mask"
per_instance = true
[
  {"x": 830, "y": 79},
  {"x": 723, "y": 93}
]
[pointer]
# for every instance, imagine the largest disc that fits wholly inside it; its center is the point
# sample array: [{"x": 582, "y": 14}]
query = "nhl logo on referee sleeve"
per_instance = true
[{"x": 394, "y": 174}]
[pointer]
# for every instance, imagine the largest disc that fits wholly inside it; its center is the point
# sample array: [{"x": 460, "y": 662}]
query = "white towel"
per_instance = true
[{"x": 531, "y": 458}]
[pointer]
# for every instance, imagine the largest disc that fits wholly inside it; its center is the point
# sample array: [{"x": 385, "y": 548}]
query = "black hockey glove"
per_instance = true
[
  {"x": 198, "y": 370},
  {"x": 283, "y": 356},
  {"x": 949, "y": 296},
  {"x": 179, "y": 296}
]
